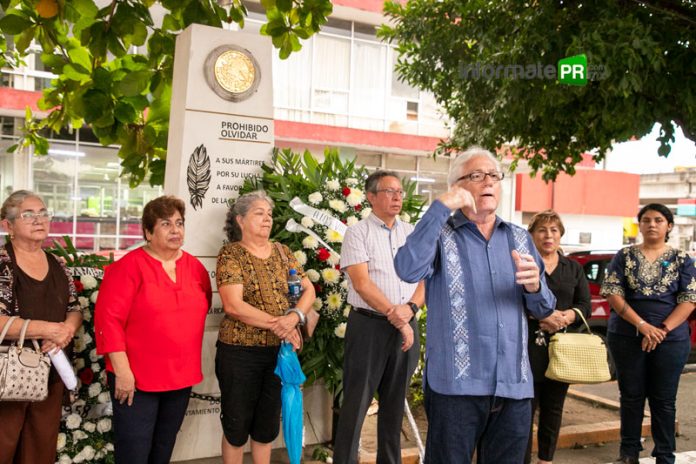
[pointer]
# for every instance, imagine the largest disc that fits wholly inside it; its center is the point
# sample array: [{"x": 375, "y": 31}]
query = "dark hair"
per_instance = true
[
  {"x": 660, "y": 208},
  {"x": 241, "y": 207},
  {"x": 543, "y": 217},
  {"x": 372, "y": 181},
  {"x": 162, "y": 207},
  {"x": 12, "y": 203}
]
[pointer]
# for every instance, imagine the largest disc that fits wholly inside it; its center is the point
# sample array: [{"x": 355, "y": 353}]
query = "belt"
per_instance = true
[{"x": 370, "y": 313}]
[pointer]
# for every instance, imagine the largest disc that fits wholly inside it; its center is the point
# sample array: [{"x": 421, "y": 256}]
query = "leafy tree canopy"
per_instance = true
[
  {"x": 124, "y": 96},
  {"x": 641, "y": 53}
]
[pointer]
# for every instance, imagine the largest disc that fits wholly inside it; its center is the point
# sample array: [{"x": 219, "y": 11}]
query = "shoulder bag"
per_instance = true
[
  {"x": 578, "y": 357},
  {"x": 312, "y": 317},
  {"x": 23, "y": 371}
]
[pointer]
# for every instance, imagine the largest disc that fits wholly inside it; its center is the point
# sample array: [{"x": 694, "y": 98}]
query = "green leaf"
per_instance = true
[
  {"x": 80, "y": 56},
  {"x": 75, "y": 73},
  {"x": 14, "y": 22},
  {"x": 134, "y": 83},
  {"x": 124, "y": 112}
]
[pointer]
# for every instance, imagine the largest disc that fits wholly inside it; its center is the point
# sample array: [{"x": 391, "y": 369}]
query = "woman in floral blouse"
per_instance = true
[
  {"x": 652, "y": 289},
  {"x": 252, "y": 275}
]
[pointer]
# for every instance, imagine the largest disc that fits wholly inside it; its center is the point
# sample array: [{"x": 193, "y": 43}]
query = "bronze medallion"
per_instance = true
[{"x": 232, "y": 72}]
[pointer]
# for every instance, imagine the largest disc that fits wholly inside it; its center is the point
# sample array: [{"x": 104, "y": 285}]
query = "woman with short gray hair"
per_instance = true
[
  {"x": 252, "y": 278},
  {"x": 38, "y": 293}
]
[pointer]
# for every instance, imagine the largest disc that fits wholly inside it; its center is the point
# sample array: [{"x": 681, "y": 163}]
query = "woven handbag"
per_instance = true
[
  {"x": 578, "y": 357},
  {"x": 23, "y": 371}
]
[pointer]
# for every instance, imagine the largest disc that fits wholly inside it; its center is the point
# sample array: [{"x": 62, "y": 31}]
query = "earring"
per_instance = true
[{"x": 11, "y": 236}]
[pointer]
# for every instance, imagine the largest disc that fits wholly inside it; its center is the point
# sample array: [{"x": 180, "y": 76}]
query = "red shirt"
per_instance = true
[{"x": 157, "y": 322}]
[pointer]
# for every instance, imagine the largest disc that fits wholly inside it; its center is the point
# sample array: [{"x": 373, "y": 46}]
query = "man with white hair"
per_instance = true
[{"x": 482, "y": 276}]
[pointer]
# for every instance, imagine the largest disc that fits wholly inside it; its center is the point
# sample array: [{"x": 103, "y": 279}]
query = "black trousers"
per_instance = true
[
  {"x": 145, "y": 432},
  {"x": 373, "y": 362},
  {"x": 549, "y": 397}
]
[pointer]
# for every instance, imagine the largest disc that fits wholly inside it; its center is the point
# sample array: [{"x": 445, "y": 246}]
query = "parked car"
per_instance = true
[{"x": 595, "y": 264}]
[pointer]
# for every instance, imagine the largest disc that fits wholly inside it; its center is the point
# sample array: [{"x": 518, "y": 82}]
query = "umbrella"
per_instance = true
[{"x": 291, "y": 377}]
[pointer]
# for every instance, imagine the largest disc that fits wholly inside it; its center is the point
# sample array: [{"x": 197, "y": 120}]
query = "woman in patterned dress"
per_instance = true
[
  {"x": 252, "y": 275},
  {"x": 652, "y": 290}
]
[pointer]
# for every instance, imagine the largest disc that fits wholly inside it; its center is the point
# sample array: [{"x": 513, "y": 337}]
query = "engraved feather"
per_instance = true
[{"x": 198, "y": 176}]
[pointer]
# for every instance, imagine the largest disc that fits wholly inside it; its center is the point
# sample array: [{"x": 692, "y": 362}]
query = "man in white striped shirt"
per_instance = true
[{"x": 381, "y": 343}]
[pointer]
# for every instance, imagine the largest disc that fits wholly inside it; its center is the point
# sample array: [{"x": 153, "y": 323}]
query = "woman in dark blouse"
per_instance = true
[
  {"x": 567, "y": 281},
  {"x": 651, "y": 288},
  {"x": 34, "y": 285}
]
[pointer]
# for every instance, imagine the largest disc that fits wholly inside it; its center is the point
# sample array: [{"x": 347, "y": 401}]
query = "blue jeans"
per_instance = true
[
  {"x": 654, "y": 376},
  {"x": 145, "y": 432},
  {"x": 496, "y": 428}
]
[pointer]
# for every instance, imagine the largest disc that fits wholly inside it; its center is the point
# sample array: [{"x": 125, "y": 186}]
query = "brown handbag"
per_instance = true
[
  {"x": 312, "y": 317},
  {"x": 23, "y": 371}
]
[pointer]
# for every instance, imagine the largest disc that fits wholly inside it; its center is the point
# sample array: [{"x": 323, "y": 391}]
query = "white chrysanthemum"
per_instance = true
[
  {"x": 88, "y": 282},
  {"x": 79, "y": 348},
  {"x": 330, "y": 275},
  {"x": 317, "y": 304},
  {"x": 351, "y": 181},
  {"x": 310, "y": 242},
  {"x": 88, "y": 453},
  {"x": 104, "y": 425},
  {"x": 64, "y": 459},
  {"x": 307, "y": 222},
  {"x": 109, "y": 447},
  {"x": 334, "y": 258},
  {"x": 355, "y": 197},
  {"x": 333, "y": 236},
  {"x": 62, "y": 439},
  {"x": 103, "y": 397},
  {"x": 344, "y": 284},
  {"x": 93, "y": 297},
  {"x": 100, "y": 454},
  {"x": 351, "y": 220},
  {"x": 333, "y": 185},
  {"x": 87, "y": 315},
  {"x": 334, "y": 301},
  {"x": 78, "y": 435},
  {"x": 94, "y": 390},
  {"x": 301, "y": 257},
  {"x": 365, "y": 212},
  {"x": 315, "y": 198},
  {"x": 73, "y": 421},
  {"x": 338, "y": 205},
  {"x": 313, "y": 275},
  {"x": 93, "y": 356},
  {"x": 84, "y": 301},
  {"x": 340, "y": 330},
  {"x": 79, "y": 362},
  {"x": 405, "y": 217},
  {"x": 346, "y": 310},
  {"x": 91, "y": 426},
  {"x": 87, "y": 338},
  {"x": 96, "y": 367}
]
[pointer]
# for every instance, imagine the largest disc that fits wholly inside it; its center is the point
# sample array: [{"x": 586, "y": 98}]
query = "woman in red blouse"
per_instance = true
[{"x": 149, "y": 321}]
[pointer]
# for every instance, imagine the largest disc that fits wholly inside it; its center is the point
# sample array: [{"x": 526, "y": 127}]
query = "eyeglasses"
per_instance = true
[
  {"x": 392, "y": 193},
  {"x": 31, "y": 216},
  {"x": 479, "y": 176}
]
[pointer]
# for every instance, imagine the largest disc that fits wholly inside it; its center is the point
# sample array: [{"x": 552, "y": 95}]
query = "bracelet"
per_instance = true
[
  {"x": 299, "y": 313},
  {"x": 640, "y": 323},
  {"x": 665, "y": 328},
  {"x": 414, "y": 307}
]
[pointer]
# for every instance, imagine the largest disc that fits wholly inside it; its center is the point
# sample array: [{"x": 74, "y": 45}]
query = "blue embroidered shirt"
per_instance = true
[{"x": 477, "y": 325}]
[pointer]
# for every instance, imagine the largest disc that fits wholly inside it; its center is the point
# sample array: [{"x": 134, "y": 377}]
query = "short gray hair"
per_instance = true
[
  {"x": 372, "y": 181},
  {"x": 11, "y": 205},
  {"x": 241, "y": 207},
  {"x": 463, "y": 158}
]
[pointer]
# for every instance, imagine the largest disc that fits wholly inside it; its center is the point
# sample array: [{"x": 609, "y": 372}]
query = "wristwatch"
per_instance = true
[{"x": 414, "y": 307}]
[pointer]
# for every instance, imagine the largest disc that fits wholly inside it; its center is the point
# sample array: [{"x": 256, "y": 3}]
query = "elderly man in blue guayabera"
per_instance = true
[{"x": 483, "y": 275}]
